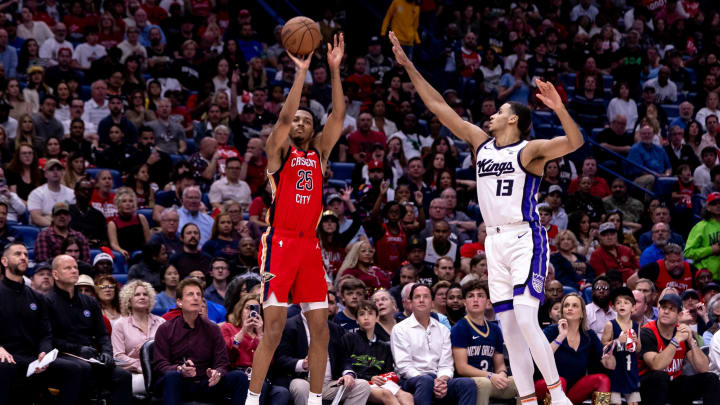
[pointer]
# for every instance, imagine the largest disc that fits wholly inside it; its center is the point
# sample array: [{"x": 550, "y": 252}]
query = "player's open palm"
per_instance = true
[
  {"x": 301, "y": 63},
  {"x": 548, "y": 94},
  {"x": 335, "y": 52},
  {"x": 400, "y": 55}
]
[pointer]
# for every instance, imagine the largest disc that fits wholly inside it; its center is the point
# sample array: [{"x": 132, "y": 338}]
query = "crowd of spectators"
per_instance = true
[{"x": 133, "y": 196}]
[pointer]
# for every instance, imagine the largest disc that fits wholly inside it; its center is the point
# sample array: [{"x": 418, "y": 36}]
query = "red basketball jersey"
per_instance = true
[{"x": 297, "y": 192}]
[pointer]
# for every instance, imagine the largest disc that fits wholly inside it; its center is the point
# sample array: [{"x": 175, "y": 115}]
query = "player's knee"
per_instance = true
[{"x": 319, "y": 332}]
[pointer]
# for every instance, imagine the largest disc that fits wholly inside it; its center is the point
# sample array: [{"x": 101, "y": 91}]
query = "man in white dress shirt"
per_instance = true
[{"x": 423, "y": 356}]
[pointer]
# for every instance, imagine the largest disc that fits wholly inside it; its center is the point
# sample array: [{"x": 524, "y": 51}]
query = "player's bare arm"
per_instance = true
[
  {"x": 539, "y": 151},
  {"x": 467, "y": 132},
  {"x": 278, "y": 140},
  {"x": 334, "y": 125}
]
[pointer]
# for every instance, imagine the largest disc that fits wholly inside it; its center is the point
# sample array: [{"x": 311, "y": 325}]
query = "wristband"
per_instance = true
[
  {"x": 675, "y": 343},
  {"x": 490, "y": 375},
  {"x": 557, "y": 343}
]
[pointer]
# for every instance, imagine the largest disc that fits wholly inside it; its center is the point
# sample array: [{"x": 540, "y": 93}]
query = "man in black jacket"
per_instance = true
[
  {"x": 86, "y": 219},
  {"x": 78, "y": 329},
  {"x": 25, "y": 336},
  {"x": 291, "y": 365}
]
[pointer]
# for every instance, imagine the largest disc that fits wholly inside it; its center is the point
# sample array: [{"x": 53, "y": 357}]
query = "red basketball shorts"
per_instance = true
[{"x": 291, "y": 265}]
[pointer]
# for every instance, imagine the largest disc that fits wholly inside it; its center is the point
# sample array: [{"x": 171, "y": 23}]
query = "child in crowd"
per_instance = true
[
  {"x": 372, "y": 358},
  {"x": 624, "y": 380},
  {"x": 351, "y": 292},
  {"x": 552, "y": 230}
]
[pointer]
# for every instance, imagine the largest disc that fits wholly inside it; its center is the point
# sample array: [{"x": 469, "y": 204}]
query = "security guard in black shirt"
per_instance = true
[
  {"x": 78, "y": 329},
  {"x": 25, "y": 336}
]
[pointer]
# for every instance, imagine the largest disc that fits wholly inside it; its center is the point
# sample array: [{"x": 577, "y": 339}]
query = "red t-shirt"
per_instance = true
[
  {"x": 471, "y": 250},
  {"x": 365, "y": 82},
  {"x": 256, "y": 175},
  {"x": 552, "y": 234},
  {"x": 258, "y": 207},
  {"x": 226, "y": 152},
  {"x": 360, "y": 142},
  {"x": 625, "y": 261},
  {"x": 106, "y": 206},
  {"x": 599, "y": 187}
]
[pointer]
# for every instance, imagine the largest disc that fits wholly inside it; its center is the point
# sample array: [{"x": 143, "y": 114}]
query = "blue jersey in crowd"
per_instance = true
[
  {"x": 481, "y": 342},
  {"x": 625, "y": 379}
]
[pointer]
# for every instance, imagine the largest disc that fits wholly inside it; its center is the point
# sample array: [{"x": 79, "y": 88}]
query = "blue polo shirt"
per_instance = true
[{"x": 651, "y": 156}]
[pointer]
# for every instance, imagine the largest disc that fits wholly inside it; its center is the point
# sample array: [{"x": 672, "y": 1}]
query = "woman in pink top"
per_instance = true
[{"x": 136, "y": 327}]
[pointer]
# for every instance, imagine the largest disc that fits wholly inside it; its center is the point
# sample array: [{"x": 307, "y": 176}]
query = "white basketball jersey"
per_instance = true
[{"x": 505, "y": 190}]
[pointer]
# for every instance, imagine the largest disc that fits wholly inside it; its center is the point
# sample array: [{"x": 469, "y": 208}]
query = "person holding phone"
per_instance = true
[
  {"x": 580, "y": 357},
  {"x": 242, "y": 334}
]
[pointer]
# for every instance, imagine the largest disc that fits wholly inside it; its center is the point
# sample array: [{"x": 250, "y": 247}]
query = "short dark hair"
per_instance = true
[
  {"x": 708, "y": 150},
  {"x": 182, "y": 231},
  {"x": 367, "y": 305},
  {"x": 545, "y": 208},
  {"x": 145, "y": 128},
  {"x": 76, "y": 120},
  {"x": 316, "y": 122},
  {"x": 418, "y": 285},
  {"x": 232, "y": 159},
  {"x": 189, "y": 281},
  {"x": 218, "y": 259},
  {"x": 524, "y": 118},
  {"x": 351, "y": 284},
  {"x": 475, "y": 284}
]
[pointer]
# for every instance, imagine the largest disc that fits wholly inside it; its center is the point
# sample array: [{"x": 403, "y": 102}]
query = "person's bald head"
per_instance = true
[
  {"x": 65, "y": 271},
  {"x": 208, "y": 146}
]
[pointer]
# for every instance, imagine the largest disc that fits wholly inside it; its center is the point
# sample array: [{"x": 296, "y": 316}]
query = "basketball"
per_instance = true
[{"x": 301, "y": 36}]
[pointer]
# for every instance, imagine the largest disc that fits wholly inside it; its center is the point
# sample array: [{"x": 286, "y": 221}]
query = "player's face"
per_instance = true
[
  {"x": 475, "y": 302},
  {"x": 500, "y": 119},
  {"x": 301, "y": 129}
]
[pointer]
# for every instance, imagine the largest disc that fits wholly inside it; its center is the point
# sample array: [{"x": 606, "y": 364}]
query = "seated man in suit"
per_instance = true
[{"x": 291, "y": 365}]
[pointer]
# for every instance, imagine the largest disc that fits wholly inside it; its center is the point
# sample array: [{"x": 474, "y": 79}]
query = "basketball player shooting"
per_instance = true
[
  {"x": 509, "y": 170},
  {"x": 290, "y": 259}
]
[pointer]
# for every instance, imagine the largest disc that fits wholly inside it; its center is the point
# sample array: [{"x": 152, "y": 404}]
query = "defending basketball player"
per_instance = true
[
  {"x": 290, "y": 260},
  {"x": 509, "y": 170}
]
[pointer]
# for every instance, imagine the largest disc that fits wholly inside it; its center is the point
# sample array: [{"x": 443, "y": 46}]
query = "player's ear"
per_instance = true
[{"x": 513, "y": 119}]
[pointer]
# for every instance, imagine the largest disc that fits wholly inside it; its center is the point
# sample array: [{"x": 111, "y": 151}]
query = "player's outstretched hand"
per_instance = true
[
  {"x": 335, "y": 52},
  {"x": 400, "y": 55},
  {"x": 303, "y": 64},
  {"x": 548, "y": 95}
]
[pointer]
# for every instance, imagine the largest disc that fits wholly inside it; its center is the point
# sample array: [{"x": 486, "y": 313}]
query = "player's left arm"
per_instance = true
[
  {"x": 539, "y": 151},
  {"x": 334, "y": 125}
]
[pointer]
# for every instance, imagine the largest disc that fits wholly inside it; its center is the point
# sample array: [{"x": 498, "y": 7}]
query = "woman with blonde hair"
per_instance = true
[
  {"x": 359, "y": 263},
  {"x": 571, "y": 268},
  {"x": 136, "y": 327},
  {"x": 578, "y": 354},
  {"x": 26, "y": 132},
  {"x": 127, "y": 231},
  {"x": 387, "y": 307}
]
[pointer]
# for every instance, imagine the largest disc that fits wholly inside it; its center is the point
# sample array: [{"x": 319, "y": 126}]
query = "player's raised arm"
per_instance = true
[
  {"x": 281, "y": 130},
  {"x": 464, "y": 130},
  {"x": 334, "y": 125},
  {"x": 540, "y": 151}
]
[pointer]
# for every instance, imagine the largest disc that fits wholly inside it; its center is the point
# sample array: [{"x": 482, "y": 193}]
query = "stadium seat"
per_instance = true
[
  {"x": 29, "y": 234},
  {"x": 85, "y": 92},
  {"x": 176, "y": 158},
  {"x": 121, "y": 278},
  {"x": 664, "y": 185},
  {"x": 117, "y": 177},
  {"x": 338, "y": 184},
  {"x": 147, "y": 213},
  {"x": 342, "y": 171},
  {"x": 607, "y": 82},
  {"x": 671, "y": 110},
  {"x": 191, "y": 146}
]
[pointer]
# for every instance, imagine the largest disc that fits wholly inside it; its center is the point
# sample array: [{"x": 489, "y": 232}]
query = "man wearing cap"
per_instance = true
[
  {"x": 665, "y": 345},
  {"x": 619, "y": 200},
  {"x": 378, "y": 64},
  {"x": 49, "y": 240},
  {"x": 46, "y": 125},
  {"x": 85, "y": 218},
  {"x": 612, "y": 255},
  {"x": 695, "y": 312},
  {"x": 554, "y": 200},
  {"x": 41, "y": 280},
  {"x": 102, "y": 264},
  {"x": 671, "y": 271},
  {"x": 26, "y": 335},
  {"x": 117, "y": 117},
  {"x": 703, "y": 247},
  {"x": 78, "y": 328},
  {"x": 41, "y": 200},
  {"x": 8, "y": 123},
  {"x": 362, "y": 140}
]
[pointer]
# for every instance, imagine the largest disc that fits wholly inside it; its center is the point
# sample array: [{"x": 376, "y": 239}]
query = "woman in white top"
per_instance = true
[
  {"x": 711, "y": 108},
  {"x": 380, "y": 122},
  {"x": 136, "y": 327},
  {"x": 221, "y": 80},
  {"x": 491, "y": 69},
  {"x": 36, "y": 30},
  {"x": 622, "y": 104}
]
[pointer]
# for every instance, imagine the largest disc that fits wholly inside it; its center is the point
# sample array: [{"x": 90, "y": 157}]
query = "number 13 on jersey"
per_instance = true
[{"x": 504, "y": 188}]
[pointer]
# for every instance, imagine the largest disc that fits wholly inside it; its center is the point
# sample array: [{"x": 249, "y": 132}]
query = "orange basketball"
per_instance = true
[{"x": 301, "y": 36}]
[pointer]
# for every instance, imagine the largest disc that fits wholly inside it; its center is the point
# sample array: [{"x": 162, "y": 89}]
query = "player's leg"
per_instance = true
[
  {"x": 501, "y": 295},
  {"x": 310, "y": 290},
  {"x": 530, "y": 263},
  {"x": 274, "y": 323}
]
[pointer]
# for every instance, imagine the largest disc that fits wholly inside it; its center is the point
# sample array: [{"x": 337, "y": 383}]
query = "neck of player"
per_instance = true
[{"x": 506, "y": 136}]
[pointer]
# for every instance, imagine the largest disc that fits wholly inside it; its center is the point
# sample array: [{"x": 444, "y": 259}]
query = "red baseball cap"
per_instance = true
[
  {"x": 378, "y": 164},
  {"x": 713, "y": 197}
]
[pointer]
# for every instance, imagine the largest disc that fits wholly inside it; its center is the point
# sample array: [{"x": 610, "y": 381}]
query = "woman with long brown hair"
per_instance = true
[
  {"x": 26, "y": 132},
  {"x": 108, "y": 294},
  {"x": 15, "y": 97},
  {"x": 23, "y": 172},
  {"x": 221, "y": 242}
]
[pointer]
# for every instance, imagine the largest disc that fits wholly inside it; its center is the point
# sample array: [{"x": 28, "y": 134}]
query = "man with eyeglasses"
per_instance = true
[
  {"x": 169, "y": 220},
  {"x": 230, "y": 187},
  {"x": 41, "y": 200},
  {"x": 598, "y": 311}
]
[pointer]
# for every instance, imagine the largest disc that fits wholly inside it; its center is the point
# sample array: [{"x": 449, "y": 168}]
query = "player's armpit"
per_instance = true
[{"x": 538, "y": 151}]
